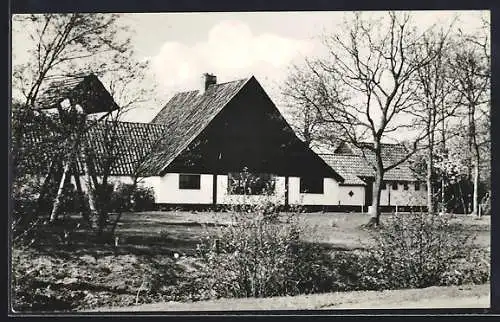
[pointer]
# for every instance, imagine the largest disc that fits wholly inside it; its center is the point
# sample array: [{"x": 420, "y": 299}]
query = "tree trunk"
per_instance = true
[
  {"x": 444, "y": 156},
  {"x": 79, "y": 191},
  {"x": 471, "y": 139},
  {"x": 375, "y": 211},
  {"x": 46, "y": 186},
  {"x": 377, "y": 188},
  {"x": 461, "y": 194},
  {"x": 475, "y": 202},
  {"x": 443, "y": 202},
  {"x": 60, "y": 192},
  {"x": 430, "y": 195},
  {"x": 91, "y": 186},
  {"x": 102, "y": 198}
]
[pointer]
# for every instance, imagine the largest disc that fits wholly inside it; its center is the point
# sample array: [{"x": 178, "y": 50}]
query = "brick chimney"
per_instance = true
[{"x": 207, "y": 80}]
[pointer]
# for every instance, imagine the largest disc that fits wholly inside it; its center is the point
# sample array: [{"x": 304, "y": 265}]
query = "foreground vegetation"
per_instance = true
[{"x": 174, "y": 256}]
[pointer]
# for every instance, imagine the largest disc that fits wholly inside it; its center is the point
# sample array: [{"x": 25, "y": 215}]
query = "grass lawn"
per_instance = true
[
  {"x": 180, "y": 231},
  {"x": 81, "y": 275}
]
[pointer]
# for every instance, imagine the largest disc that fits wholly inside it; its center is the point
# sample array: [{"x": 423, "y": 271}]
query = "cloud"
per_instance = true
[{"x": 230, "y": 50}]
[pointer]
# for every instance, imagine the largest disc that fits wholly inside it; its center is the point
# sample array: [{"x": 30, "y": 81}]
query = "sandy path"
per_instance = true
[{"x": 473, "y": 296}]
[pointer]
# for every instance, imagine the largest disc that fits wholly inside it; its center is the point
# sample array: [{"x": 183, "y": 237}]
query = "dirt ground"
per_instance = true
[{"x": 473, "y": 296}]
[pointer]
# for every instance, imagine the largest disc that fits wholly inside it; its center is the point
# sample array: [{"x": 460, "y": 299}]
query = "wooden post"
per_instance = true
[
  {"x": 91, "y": 185},
  {"x": 46, "y": 185},
  {"x": 286, "y": 193},
  {"x": 58, "y": 200},
  {"x": 79, "y": 191},
  {"x": 214, "y": 190}
]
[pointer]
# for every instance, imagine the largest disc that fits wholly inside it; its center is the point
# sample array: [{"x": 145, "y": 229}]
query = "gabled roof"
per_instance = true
[
  {"x": 352, "y": 165},
  {"x": 188, "y": 113},
  {"x": 86, "y": 91}
]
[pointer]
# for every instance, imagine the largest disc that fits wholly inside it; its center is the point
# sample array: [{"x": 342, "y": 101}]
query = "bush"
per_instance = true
[
  {"x": 417, "y": 251},
  {"x": 25, "y": 191},
  {"x": 472, "y": 270},
  {"x": 27, "y": 213},
  {"x": 260, "y": 256},
  {"x": 129, "y": 197},
  {"x": 144, "y": 199}
]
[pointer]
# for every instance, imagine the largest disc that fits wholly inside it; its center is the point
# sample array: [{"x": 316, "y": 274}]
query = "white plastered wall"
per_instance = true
[
  {"x": 166, "y": 189},
  {"x": 357, "y": 198},
  {"x": 329, "y": 196}
]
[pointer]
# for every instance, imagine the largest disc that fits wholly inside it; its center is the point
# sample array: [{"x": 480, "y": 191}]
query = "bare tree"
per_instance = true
[
  {"x": 67, "y": 47},
  {"x": 436, "y": 92},
  {"x": 118, "y": 147},
  {"x": 472, "y": 70},
  {"x": 471, "y": 65},
  {"x": 305, "y": 118},
  {"x": 365, "y": 86},
  {"x": 64, "y": 47}
]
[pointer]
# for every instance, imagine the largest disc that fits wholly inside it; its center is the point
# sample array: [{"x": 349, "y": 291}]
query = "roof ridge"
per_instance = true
[
  {"x": 217, "y": 84},
  {"x": 234, "y": 81},
  {"x": 385, "y": 143},
  {"x": 129, "y": 122}
]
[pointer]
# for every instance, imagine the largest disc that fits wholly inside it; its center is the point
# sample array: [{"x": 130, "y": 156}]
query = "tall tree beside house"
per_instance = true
[
  {"x": 125, "y": 87},
  {"x": 111, "y": 148},
  {"x": 436, "y": 91},
  {"x": 365, "y": 85},
  {"x": 472, "y": 69}
]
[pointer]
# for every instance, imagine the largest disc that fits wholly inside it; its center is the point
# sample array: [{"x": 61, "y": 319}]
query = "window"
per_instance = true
[
  {"x": 189, "y": 181},
  {"x": 250, "y": 183},
  {"x": 405, "y": 185},
  {"x": 311, "y": 185},
  {"x": 384, "y": 185},
  {"x": 417, "y": 186},
  {"x": 394, "y": 186}
]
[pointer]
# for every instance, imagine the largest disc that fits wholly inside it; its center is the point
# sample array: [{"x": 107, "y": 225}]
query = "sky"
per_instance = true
[{"x": 182, "y": 46}]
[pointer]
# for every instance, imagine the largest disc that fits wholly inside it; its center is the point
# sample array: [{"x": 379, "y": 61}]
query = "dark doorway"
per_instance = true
[{"x": 368, "y": 192}]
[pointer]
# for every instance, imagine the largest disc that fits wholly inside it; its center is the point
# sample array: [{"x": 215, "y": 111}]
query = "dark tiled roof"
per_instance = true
[
  {"x": 349, "y": 167},
  {"x": 351, "y": 164},
  {"x": 131, "y": 145},
  {"x": 187, "y": 114}
]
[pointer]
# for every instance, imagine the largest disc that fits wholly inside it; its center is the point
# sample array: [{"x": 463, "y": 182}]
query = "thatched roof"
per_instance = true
[{"x": 187, "y": 114}]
